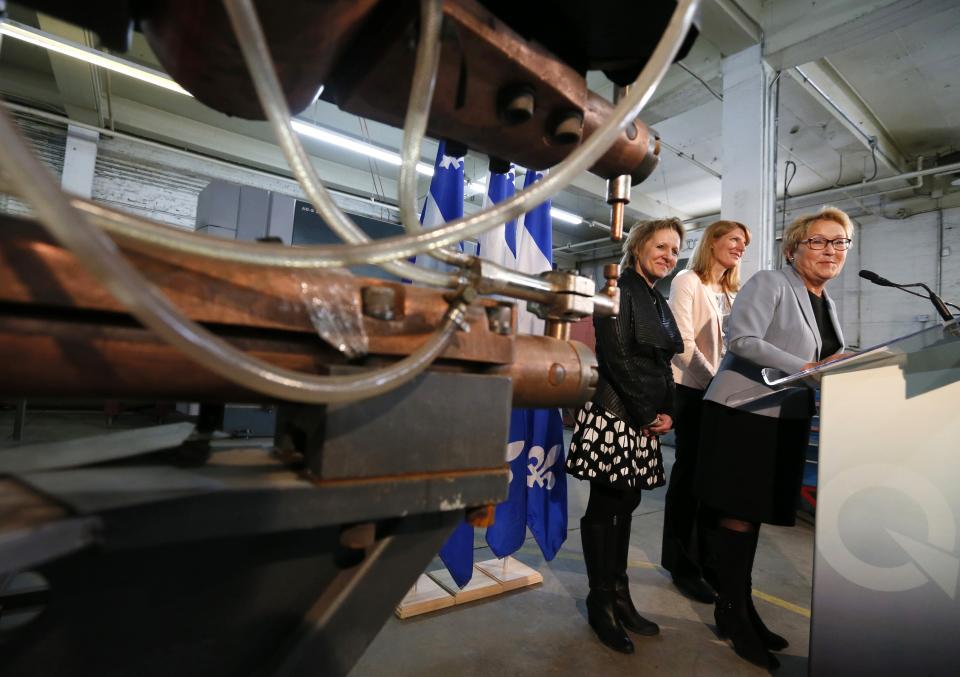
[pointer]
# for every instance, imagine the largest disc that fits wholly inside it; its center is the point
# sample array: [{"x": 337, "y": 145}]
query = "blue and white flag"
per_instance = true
[
  {"x": 444, "y": 200},
  {"x": 546, "y": 480},
  {"x": 534, "y": 251},
  {"x": 537, "y": 496},
  {"x": 499, "y": 244},
  {"x": 445, "y": 203}
]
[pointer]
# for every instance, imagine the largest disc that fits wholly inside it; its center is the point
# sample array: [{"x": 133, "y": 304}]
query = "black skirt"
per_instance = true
[
  {"x": 749, "y": 466},
  {"x": 607, "y": 449}
]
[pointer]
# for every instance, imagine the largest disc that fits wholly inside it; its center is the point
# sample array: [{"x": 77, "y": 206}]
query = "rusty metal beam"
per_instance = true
[{"x": 63, "y": 335}]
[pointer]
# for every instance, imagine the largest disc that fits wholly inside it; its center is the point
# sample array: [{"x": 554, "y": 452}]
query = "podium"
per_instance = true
[{"x": 887, "y": 560}]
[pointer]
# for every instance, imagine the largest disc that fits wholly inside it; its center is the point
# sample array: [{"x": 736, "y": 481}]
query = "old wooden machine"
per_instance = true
[{"x": 394, "y": 398}]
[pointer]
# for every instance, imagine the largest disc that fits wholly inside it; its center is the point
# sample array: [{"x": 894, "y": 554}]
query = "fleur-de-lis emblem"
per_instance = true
[
  {"x": 514, "y": 449},
  {"x": 539, "y": 465},
  {"x": 450, "y": 161}
]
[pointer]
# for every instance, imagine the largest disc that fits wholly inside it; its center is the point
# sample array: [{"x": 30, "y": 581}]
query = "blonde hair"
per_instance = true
[
  {"x": 797, "y": 231},
  {"x": 642, "y": 231},
  {"x": 702, "y": 260}
]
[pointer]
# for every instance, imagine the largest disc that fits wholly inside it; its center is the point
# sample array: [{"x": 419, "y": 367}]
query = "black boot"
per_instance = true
[
  {"x": 771, "y": 640},
  {"x": 626, "y": 612},
  {"x": 706, "y": 541},
  {"x": 733, "y": 557},
  {"x": 599, "y": 554}
]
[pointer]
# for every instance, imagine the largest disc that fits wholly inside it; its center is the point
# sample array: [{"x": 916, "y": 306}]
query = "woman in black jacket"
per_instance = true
[{"x": 615, "y": 443}]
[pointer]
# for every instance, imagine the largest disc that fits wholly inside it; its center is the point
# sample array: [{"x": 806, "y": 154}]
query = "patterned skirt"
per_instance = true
[{"x": 607, "y": 449}]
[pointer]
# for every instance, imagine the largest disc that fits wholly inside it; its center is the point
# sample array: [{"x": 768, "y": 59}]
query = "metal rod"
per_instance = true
[{"x": 683, "y": 156}]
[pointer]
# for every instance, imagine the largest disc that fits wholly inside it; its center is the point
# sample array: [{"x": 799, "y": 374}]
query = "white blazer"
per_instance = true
[{"x": 700, "y": 327}]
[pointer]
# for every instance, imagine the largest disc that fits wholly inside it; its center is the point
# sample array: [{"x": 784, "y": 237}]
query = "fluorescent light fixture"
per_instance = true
[
  {"x": 18, "y": 31},
  {"x": 348, "y": 143},
  {"x": 565, "y": 216},
  {"x": 114, "y": 64},
  {"x": 476, "y": 187}
]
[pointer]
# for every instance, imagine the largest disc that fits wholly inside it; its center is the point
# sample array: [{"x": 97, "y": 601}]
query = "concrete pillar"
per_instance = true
[
  {"x": 748, "y": 189},
  {"x": 79, "y": 161}
]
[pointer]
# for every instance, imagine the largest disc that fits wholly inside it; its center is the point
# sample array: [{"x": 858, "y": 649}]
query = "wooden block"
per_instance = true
[
  {"x": 511, "y": 573},
  {"x": 481, "y": 585},
  {"x": 424, "y": 597}
]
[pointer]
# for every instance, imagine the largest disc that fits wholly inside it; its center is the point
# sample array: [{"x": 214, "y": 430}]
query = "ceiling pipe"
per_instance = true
[
  {"x": 683, "y": 156},
  {"x": 931, "y": 171},
  {"x": 871, "y": 140}
]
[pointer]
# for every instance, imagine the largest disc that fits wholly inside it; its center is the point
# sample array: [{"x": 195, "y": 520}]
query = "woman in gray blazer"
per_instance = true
[{"x": 753, "y": 438}]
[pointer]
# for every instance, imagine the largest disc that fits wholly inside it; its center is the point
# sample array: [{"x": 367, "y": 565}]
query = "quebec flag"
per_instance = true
[
  {"x": 500, "y": 244},
  {"x": 537, "y": 495},
  {"x": 444, "y": 199},
  {"x": 445, "y": 203}
]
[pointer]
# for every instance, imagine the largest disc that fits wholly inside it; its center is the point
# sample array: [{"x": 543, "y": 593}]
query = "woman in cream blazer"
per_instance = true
[{"x": 700, "y": 298}]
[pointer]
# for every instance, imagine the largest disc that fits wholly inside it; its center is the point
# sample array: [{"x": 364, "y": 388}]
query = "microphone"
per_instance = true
[
  {"x": 934, "y": 299},
  {"x": 876, "y": 279}
]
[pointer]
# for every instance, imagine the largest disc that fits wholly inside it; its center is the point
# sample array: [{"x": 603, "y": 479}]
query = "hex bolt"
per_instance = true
[
  {"x": 500, "y": 319},
  {"x": 379, "y": 302}
]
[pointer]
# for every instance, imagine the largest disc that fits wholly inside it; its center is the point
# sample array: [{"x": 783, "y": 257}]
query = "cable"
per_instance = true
[
  {"x": 786, "y": 191},
  {"x": 840, "y": 173},
  {"x": 702, "y": 81}
]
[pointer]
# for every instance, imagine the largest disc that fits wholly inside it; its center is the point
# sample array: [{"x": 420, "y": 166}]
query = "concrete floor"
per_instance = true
[{"x": 543, "y": 630}]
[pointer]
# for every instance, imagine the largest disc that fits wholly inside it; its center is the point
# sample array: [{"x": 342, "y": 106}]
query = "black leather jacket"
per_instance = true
[{"x": 634, "y": 351}]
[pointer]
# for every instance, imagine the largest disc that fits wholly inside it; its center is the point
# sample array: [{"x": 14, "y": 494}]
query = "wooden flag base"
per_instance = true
[
  {"x": 480, "y": 586},
  {"x": 510, "y": 573},
  {"x": 425, "y": 596},
  {"x": 437, "y": 590}
]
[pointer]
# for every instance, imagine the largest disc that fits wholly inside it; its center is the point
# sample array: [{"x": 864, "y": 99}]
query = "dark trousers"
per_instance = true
[{"x": 681, "y": 553}]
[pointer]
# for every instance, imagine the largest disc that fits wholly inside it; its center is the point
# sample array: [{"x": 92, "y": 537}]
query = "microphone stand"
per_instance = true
[{"x": 937, "y": 302}]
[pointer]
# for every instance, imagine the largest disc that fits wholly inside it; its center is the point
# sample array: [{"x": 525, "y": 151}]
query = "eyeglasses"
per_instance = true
[{"x": 818, "y": 243}]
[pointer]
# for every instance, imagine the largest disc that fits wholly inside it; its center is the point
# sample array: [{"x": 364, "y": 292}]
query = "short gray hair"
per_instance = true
[{"x": 797, "y": 231}]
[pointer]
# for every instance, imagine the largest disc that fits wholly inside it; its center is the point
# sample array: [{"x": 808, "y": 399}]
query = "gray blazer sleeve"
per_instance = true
[
  {"x": 772, "y": 325},
  {"x": 750, "y": 320}
]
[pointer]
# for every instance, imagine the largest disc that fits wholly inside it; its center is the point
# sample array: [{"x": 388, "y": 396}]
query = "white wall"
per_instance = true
[{"x": 904, "y": 251}]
